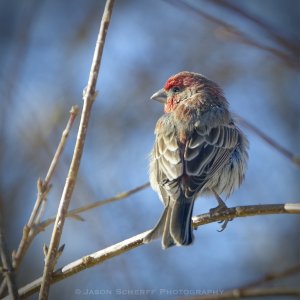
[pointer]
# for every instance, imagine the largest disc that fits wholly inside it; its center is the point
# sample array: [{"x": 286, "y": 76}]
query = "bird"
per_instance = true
[{"x": 198, "y": 151}]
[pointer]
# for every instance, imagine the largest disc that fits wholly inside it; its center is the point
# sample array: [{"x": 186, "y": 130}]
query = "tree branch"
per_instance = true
[
  {"x": 239, "y": 35},
  {"x": 6, "y": 267},
  {"x": 251, "y": 290},
  {"x": 273, "y": 276},
  {"x": 253, "y": 293},
  {"x": 273, "y": 33},
  {"x": 247, "y": 211},
  {"x": 88, "y": 99},
  {"x": 39, "y": 227},
  {"x": 74, "y": 212},
  {"x": 98, "y": 257},
  {"x": 295, "y": 159},
  {"x": 43, "y": 188}
]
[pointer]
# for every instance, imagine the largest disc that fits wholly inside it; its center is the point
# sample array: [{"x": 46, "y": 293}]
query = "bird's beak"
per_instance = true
[{"x": 160, "y": 96}]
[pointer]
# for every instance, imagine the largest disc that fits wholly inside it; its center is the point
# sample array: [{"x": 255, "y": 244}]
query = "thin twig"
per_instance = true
[
  {"x": 117, "y": 197},
  {"x": 273, "y": 33},
  {"x": 239, "y": 35},
  {"x": 39, "y": 227},
  {"x": 7, "y": 268},
  {"x": 288, "y": 154},
  {"x": 3, "y": 287},
  {"x": 43, "y": 189},
  {"x": 251, "y": 290},
  {"x": 11, "y": 78},
  {"x": 74, "y": 212},
  {"x": 250, "y": 293},
  {"x": 88, "y": 100},
  {"x": 98, "y": 257},
  {"x": 273, "y": 276}
]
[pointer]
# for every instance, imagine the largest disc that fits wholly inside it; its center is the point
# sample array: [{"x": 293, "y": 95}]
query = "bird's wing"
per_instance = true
[
  {"x": 167, "y": 155},
  {"x": 206, "y": 152},
  {"x": 168, "y": 165}
]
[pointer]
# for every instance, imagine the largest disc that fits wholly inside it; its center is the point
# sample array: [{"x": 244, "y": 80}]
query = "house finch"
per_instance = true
[{"x": 198, "y": 150}]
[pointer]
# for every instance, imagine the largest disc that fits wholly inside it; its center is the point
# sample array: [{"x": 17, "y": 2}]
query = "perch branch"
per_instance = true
[
  {"x": 88, "y": 99},
  {"x": 98, "y": 257}
]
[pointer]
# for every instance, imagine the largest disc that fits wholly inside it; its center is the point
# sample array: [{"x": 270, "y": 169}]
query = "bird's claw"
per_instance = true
[
  {"x": 219, "y": 209},
  {"x": 224, "y": 225}
]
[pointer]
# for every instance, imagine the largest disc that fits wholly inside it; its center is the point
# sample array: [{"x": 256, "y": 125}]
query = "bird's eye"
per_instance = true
[{"x": 175, "y": 89}]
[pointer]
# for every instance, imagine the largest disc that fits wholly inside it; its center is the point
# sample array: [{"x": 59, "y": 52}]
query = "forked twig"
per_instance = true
[
  {"x": 39, "y": 227},
  {"x": 88, "y": 100},
  {"x": 43, "y": 188}
]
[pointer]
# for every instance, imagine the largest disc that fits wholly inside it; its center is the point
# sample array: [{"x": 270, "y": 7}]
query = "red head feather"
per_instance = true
[{"x": 180, "y": 80}]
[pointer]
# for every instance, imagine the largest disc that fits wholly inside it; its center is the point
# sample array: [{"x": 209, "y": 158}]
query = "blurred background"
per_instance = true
[{"x": 46, "y": 49}]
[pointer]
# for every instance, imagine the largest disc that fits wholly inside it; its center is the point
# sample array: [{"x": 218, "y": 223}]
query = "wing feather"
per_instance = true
[
  {"x": 206, "y": 158},
  {"x": 167, "y": 155}
]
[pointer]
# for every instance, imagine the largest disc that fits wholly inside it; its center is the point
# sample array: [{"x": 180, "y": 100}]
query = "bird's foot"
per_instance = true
[{"x": 219, "y": 209}]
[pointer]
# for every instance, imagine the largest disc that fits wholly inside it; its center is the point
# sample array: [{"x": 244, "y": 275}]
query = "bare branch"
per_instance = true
[
  {"x": 246, "y": 211},
  {"x": 11, "y": 78},
  {"x": 117, "y": 197},
  {"x": 43, "y": 188},
  {"x": 251, "y": 290},
  {"x": 237, "y": 34},
  {"x": 98, "y": 257},
  {"x": 39, "y": 227},
  {"x": 6, "y": 268},
  {"x": 74, "y": 212},
  {"x": 273, "y": 276},
  {"x": 273, "y": 33},
  {"x": 88, "y": 99},
  {"x": 253, "y": 293},
  {"x": 295, "y": 159}
]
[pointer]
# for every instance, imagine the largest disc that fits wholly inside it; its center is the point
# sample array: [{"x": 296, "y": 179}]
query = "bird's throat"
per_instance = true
[{"x": 169, "y": 106}]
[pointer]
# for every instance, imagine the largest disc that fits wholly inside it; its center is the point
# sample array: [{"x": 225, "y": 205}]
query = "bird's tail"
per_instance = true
[{"x": 175, "y": 224}]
